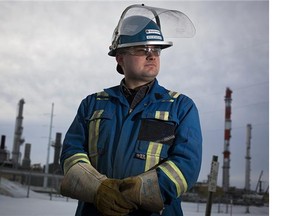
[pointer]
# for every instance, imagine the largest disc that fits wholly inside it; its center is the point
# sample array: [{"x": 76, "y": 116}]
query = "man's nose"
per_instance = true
[{"x": 150, "y": 56}]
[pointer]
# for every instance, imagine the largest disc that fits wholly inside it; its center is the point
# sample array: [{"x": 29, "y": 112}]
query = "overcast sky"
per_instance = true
[{"x": 56, "y": 52}]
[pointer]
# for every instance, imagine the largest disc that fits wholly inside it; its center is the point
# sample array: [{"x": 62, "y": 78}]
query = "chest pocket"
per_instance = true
[
  {"x": 156, "y": 136},
  {"x": 97, "y": 148}
]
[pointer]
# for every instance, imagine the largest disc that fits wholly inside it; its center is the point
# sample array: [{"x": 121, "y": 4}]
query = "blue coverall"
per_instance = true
[{"x": 162, "y": 132}]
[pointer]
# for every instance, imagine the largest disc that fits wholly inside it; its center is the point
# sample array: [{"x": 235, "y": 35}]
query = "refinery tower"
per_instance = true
[{"x": 227, "y": 135}]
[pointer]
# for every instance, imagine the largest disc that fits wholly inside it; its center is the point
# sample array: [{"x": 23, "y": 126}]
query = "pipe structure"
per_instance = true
[
  {"x": 18, "y": 140},
  {"x": 227, "y": 136}
]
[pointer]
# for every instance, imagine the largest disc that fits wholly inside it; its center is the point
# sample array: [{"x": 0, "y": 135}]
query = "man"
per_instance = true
[{"x": 133, "y": 149}]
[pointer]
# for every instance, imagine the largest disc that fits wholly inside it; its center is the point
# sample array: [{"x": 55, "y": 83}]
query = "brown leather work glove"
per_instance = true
[
  {"x": 85, "y": 183},
  {"x": 143, "y": 190},
  {"x": 109, "y": 200}
]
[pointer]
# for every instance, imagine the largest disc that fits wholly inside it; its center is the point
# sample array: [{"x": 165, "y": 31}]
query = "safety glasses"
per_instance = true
[{"x": 143, "y": 51}]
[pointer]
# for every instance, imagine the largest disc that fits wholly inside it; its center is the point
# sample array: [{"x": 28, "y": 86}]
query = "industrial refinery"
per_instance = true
[
  {"x": 13, "y": 168},
  {"x": 16, "y": 166},
  {"x": 227, "y": 194}
]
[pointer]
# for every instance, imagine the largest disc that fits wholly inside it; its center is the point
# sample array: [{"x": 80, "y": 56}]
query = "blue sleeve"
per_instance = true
[
  {"x": 76, "y": 138},
  {"x": 181, "y": 169}
]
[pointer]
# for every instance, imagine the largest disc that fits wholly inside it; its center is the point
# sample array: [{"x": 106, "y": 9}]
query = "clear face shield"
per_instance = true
[{"x": 173, "y": 23}]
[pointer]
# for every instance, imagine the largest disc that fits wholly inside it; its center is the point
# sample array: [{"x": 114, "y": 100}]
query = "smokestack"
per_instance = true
[
  {"x": 227, "y": 136},
  {"x": 26, "y": 162},
  {"x": 3, "y": 152},
  {"x": 248, "y": 158},
  {"x": 57, "y": 147},
  {"x": 18, "y": 140},
  {"x": 3, "y": 139}
]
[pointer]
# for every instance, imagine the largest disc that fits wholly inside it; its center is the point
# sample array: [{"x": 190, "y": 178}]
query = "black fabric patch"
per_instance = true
[{"x": 157, "y": 131}]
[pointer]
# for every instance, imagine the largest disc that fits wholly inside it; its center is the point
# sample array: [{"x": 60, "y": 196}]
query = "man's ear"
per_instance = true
[{"x": 119, "y": 58}]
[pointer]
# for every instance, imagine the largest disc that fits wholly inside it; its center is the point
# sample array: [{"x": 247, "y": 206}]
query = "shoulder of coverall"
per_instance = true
[{"x": 157, "y": 92}]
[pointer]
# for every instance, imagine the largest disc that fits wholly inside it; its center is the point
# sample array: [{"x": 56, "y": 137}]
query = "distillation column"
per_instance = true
[
  {"x": 248, "y": 159},
  {"x": 18, "y": 140}
]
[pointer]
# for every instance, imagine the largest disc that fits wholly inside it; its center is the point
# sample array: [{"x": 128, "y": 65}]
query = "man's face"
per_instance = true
[{"x": 140, "y": 64}]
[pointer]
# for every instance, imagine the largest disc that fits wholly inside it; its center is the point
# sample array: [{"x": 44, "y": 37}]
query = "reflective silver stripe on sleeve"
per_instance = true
[
  {"x": 175, "y": 175},
  {"x": 69, "y": 162}
]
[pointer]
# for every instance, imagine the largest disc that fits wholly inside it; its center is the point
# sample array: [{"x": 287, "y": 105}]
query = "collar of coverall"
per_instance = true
[{"x": 134, "y": 96}]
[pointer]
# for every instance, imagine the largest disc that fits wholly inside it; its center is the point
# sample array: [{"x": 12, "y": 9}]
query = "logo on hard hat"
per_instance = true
[
  {"x": 152, "y": 31},
  {"x": 153, "y": 34},
  {"x": 153, "y": 37}
]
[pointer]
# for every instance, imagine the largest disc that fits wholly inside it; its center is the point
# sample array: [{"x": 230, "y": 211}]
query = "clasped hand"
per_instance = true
[{"x": 111, "y": 202}]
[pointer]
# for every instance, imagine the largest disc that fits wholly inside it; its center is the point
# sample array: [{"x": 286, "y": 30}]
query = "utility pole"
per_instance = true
[{"x": 48, "y": 148}]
